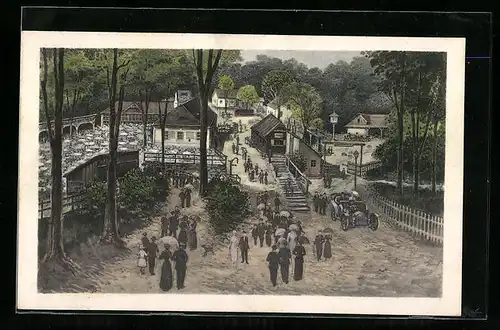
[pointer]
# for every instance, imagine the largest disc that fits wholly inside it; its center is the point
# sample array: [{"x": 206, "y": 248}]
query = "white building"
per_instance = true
[
  {"x": 367, "y": 124},
  {"x": 183, "y": 125},
  {"x": 272, "y": 108},
  {"x": 220, "y": 97}
]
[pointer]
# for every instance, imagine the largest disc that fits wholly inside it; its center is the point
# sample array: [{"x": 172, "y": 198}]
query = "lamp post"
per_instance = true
[
  {"x": 231, "y": 165},
  {"x": 355, "y": 154},
  {"x": 334, "y": 118}
]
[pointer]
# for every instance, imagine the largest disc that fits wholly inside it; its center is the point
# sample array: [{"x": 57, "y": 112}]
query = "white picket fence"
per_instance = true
[{"x": 420, "y": 224}]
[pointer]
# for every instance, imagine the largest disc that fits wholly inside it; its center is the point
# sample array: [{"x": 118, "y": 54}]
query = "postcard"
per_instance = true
[{"x": 241, "y": 173}]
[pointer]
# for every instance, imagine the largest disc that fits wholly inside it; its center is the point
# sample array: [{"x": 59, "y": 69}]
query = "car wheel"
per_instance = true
[
  {"x": 344, "y": 222},
  {"x": 373, "y": 221}
]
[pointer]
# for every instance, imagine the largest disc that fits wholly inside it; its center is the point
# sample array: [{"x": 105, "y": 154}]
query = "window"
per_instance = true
[
  {"x": 180, "y": 135},
  {"x": 313, "y": 163},
  {"x": 198, "y": 136},
  {"x": 278, "y": 142},
  {"x": 358, "y": 120},
  {"x": 166, "y": 135}
]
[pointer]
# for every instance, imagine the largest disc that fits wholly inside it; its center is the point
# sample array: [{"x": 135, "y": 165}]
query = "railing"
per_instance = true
[
  {"x": 69, "y": 204},
  {"x": 183, "y": 159},
  {"x": 302, "y": 180},
  {"x": 67, "y": 121},
  {"x": 364, "y": 168},
  {"x": 418, "y": 223}
]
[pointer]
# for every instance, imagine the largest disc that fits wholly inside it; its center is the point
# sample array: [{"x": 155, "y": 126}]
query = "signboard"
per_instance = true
[{"x": 279, "y": 135}]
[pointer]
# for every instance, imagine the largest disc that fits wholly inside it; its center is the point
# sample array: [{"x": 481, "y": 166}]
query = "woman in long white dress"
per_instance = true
[{"x": 233, "y": 248}]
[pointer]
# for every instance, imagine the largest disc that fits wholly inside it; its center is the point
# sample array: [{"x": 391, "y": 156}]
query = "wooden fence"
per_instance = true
[
  {"x": 217, "y": 159},
  {"x": 364, "y": 168},
  {"x": 69, "y": 204},
  {"x": 418, "y": 223}
]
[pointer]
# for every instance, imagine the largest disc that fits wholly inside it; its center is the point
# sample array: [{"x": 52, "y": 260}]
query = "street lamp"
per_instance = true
[
  {"x": 355, "y": 154},
  {"x": 334, "y": 119},
  {"x": 231, "y": 164}
]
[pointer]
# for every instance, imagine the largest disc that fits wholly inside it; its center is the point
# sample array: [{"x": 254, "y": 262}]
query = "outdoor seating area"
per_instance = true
[{"x": 80, "y": 147}]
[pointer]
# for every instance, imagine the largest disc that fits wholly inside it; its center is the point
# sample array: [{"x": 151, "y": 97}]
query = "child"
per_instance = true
[{"x": 141, "y": 260}]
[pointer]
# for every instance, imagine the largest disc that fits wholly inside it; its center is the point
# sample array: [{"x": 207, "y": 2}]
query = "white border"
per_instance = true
[{"x": 28, "y": 298}]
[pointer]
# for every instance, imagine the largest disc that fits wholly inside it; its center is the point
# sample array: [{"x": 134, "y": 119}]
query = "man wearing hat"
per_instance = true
[
  {"x": 152, "y": 250},
  {"x": 318, "y": 244},
  {"x": 273, "y": 260},
  {"x": 180, "y": 258},
  {"x": 244, "y": 247}
]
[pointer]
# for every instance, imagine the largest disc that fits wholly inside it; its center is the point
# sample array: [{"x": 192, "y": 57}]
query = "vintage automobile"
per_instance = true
[
  {"x": 356, "y": 214},
  {"x": 339, "y": 202}
]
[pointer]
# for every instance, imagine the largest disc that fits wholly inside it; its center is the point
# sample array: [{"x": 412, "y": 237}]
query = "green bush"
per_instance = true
[
  {"x": 136, "y": 190},
  {"x": 227, "y": 206},
  {"x": 96, "y": 196}
]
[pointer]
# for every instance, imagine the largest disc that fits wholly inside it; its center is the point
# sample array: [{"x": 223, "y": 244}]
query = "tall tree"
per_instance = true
[
  {"x": 204, "y": 82},
  {"x": 143, "y": 84},
  {"x": 79, "y": 78},
  {"x": 55, "y": 244},
  {"x": 248, "y": 95},
  {"x": 305, "y": 102},
  {"x": 273, "y": 85},
  {"x": 392, "y": 69},
  {"x": 226, "y": 84},
  {"x": 172, "y": 70},
  {"x": 425, "y": 66},
  {"x": 438, "y": 106},
  {"x": 110, "y": 233}
]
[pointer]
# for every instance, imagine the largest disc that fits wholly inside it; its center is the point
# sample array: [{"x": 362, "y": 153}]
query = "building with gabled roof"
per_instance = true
[
  {"x": 182, "y": 125},
  {"x": 269, "y": 135},
  {"x": 133, "y": 111},
  {"x": 367, "y": 124}
]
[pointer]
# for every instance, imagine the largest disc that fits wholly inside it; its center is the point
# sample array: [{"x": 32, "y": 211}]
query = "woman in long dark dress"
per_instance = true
[
  {"x": 166, "y": 279},
  {"x": 327, "y": 248},
  {"x": 194, "y": 238},
  {"x": 182, "y": 237},
  {"x": 299, "y": 252}
]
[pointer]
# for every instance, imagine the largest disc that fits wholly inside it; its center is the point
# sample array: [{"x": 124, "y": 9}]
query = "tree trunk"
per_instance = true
[
  {"x": 278, "y": 112},
  {"x": 203, "y": 143},
  {"x": 55, "y": 238},
  {"x": 110, "y": 234},
  {"x": 434, "y": 157},
  {"x": 401, "y": 128}
]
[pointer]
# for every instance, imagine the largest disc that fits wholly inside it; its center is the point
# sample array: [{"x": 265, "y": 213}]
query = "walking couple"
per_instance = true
[
  {"x": 281, "y": 258},
  {"x": 238, "y": 244}
]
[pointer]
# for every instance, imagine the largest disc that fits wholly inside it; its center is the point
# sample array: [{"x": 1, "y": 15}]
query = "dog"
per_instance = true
[{"x": 207, "y": 248}]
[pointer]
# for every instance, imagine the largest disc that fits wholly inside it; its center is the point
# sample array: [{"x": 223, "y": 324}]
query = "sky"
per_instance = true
[{"x": 311, "y": 59}]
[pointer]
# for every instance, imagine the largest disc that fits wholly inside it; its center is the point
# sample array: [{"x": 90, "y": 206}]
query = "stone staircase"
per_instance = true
[{"x": 296, "y": 201}]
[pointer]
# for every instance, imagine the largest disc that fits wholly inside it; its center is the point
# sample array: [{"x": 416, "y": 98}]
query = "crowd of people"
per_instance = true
[{"x": 178, "y": 232}]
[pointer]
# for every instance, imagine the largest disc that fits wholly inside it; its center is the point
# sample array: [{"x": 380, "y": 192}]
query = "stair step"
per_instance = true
[
  {"x": 295, "y": 198},
  {"x": 300, "y": 209}
]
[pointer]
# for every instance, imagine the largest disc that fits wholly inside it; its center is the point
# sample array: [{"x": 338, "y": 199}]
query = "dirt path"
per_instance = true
[{"x": 364, "y": 263}]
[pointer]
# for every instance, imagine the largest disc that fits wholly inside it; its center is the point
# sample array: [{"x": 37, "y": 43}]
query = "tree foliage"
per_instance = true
[
  {"x": 248, "y": 95},
  {"x": 227, "y": 206},
  {"x": 136, "y": 190},
  {"x": 305, "y": 102},
  {"x": 273, "y": 85}
]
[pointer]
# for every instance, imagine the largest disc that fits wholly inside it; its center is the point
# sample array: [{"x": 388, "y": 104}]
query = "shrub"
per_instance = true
[
  {"x": 96, "y": 197},
  {"x": 136, "y": 190},
  {"x": 227, "y": 205}
]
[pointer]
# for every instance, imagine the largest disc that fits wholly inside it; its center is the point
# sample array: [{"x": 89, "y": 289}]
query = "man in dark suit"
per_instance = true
[
  {"x": 273, "y": 260},
  {"x": 180, "y": 258},
  {"x": 261, "y": 232},
  {"x": 244, "y": 247},
  {"x": 285, "y": 257}
]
